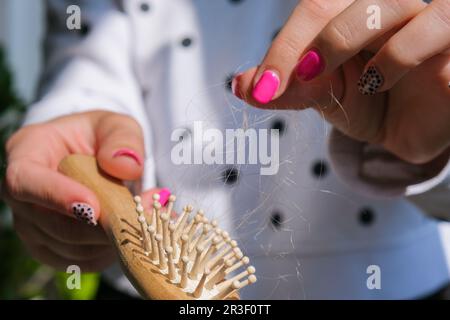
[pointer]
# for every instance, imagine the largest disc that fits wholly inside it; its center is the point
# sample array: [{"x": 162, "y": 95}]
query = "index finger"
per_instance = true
[
  {"x": 275, "y": 71},
  {"x": 348, "y": 33},
  {"x": 34, "y": 183},
  {"x": 32, "y": 177}
]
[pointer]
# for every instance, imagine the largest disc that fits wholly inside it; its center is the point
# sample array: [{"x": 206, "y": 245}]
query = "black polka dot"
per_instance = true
[
  {"x": 230, "y": 175},
  {"x": 320, "y": 169},
  {"x": 276, "y": 219},
  {"x": 84, "y": 30},
  {"x": 366, "y": 216},
  {"x": 185, "y": 134},
  {"x": 280, "y": 125},
  {"x": 145, "y": 7},
  {"x": 146, "y": 93},
  {"x": 186, "y": 42},
  {"x": 236, "y": 1},
  {"x": 229, "y": 81}
]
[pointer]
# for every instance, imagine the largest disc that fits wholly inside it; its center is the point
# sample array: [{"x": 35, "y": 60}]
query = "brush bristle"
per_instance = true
[{"x": 192, "y": 252}]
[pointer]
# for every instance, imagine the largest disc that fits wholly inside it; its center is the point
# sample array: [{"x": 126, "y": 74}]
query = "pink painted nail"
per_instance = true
[
  {"x": 128, "y": 153},
  {"x": 164, "y": 195},
  {"x": 310, "y": 66},
  {"x": 266, "y": 87}
]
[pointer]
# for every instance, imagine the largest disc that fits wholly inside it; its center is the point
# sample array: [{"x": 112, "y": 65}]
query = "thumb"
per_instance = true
[{"x": 120, "y": 146}]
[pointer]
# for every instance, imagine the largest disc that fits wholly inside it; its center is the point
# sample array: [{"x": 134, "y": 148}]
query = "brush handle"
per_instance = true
[{"x": 118, "y": 214}]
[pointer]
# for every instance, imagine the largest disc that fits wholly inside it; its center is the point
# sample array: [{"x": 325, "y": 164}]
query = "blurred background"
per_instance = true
[{"x": 22, "y": 24}]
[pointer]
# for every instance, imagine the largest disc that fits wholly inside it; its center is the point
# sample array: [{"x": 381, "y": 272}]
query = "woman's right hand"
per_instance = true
[
  {"x": 386, "y": 85},
  {"x": 54, "y": 215}
]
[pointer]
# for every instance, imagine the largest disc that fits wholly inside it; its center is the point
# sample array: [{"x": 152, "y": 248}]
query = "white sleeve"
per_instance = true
[
  {"x": 87, "y": 72},
  {"x": 93, "y": 71},
  {"x": 373, "y": 171}
]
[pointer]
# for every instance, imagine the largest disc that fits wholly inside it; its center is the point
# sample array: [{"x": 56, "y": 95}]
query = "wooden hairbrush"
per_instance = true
[{"x": 198, "y": 258}]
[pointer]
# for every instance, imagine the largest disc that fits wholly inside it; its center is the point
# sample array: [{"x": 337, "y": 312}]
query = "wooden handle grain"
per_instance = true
[{"x": 118, "y": 218}]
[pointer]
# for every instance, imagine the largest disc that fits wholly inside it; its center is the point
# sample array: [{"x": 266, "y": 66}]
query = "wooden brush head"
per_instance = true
[{"x": 198, "y": 257}]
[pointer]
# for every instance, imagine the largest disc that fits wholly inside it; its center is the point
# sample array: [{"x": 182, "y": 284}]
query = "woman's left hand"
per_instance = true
[{"x": 388, "y": 86}]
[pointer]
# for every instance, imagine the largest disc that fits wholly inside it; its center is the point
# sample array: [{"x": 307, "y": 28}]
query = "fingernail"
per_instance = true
[
  {"x": 266, "y": 87},
  {"x": 234, "y": 85},
  {"x": 310, "y": 66},
  {"x": 128, "y": 153},
  {"x": 370, "y": 81},
  {"x": 164, "y": 195},
  {"x": 84, "y": 212}
]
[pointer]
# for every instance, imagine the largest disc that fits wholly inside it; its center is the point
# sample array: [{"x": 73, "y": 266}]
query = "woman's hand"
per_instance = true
[
  {"x": 387, "y": 86},
  {"x": 45, "y": 203}
]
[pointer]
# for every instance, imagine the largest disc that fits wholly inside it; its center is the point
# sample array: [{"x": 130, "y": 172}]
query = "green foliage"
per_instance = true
[
  {"x": 7, "y": 97},
  {"x": 15, "y": 266},
  {"x": 20, "y": 276},
  {"x": 11, "y": 108},
  {"x": 88, "y": 286}
]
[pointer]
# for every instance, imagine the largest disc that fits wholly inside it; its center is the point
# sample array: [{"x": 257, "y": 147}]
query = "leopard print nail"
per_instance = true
[
  {"x": 370, "y": 81},
  {"x": 84, "y": 212}
]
